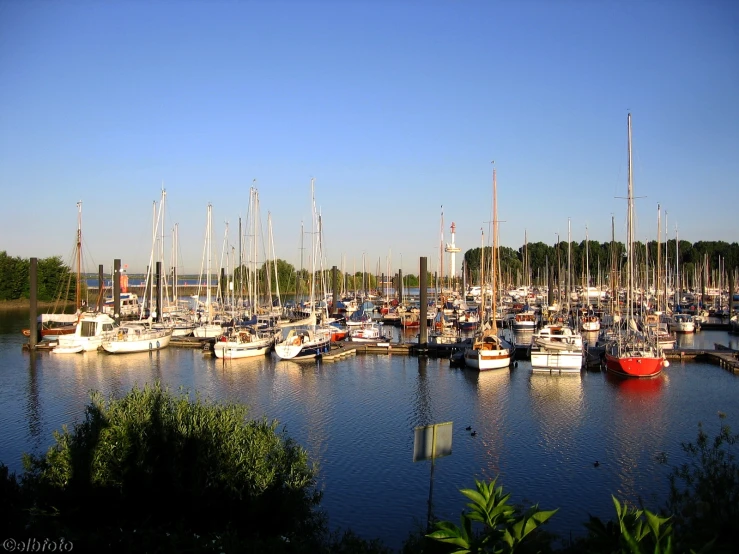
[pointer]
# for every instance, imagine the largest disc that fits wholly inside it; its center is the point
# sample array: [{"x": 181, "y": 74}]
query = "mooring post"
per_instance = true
[
  {"x": 33, "y": 335},
  {"x": 117, "y": 290},
  {"x": 101, "y": 288},
  {"x": 334, "y": 290},
  {"x": 732, "y": 276},
  {"x": 423, "y": 298}
]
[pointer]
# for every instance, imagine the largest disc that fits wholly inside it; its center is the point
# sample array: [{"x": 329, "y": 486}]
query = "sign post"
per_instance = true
[{"x": 431, "y": 442}]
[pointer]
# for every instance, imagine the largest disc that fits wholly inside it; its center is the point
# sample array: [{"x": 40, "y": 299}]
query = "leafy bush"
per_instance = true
[
  {"x": 162, "y": 466},
  {"x": 504, "y": 527}
]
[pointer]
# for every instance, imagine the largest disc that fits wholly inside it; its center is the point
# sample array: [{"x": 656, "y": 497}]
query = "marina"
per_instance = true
[{"x": 354, "y": 411}]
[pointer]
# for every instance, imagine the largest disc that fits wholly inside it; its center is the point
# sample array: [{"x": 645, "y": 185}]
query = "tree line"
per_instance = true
[
  {"x": 54, "y": 279},
  {"x": 706, "y": 262},
  {"x": 703, "y": 261}
]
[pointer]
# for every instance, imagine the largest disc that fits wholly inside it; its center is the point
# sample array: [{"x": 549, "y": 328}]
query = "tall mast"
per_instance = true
[
  {"x": 441, "y": 253},
  {"x": 614, "y": 292},
  {"x": 569, "y": 265},
  {"x": 78, "y": 288},
  {"x": 659, "y": 258},
  {"x": 482, "y": 275},
  {"x": 677, "y": 271},
  {"x": 208, "y": 255},
  {"x": 495, "y": 253},
  {"x": 587, "y": 267},
  {"x": 629, "y": 231}
]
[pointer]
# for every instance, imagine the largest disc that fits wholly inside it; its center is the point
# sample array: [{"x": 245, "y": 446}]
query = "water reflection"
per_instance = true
[
  {"x": 489, "y": 416},
  {"x": 422, "y": 396},
  {"x": 522, "y": 340},
  {"x": 637, "y": 412},
  {"x": 33, "y": 407},
  {"x": 649, "y": 387},
  {"x": 685, "y": 340}
]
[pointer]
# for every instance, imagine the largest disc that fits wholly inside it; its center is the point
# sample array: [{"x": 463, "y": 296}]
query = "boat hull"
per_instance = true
[
  {"x": 156, "y": 341},
  {"x": 302, "y": 344},
  {"x": 563, "y": 361},
  {"x": 232, "y": 351},
  {"x": 634, "y": 366},
  {"x": 303, "y": 351},
  {"x": 73, "y": 349},
  {"x": 484, "y": 360}
]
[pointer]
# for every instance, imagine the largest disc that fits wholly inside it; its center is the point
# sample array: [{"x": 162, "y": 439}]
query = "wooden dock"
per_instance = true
[
  {"x": 342, "y": 350},
  {"x": 721, "y": 355}
]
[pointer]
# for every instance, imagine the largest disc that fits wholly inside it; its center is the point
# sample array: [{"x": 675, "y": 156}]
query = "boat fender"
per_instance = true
[
  {"x": 665, "y": 364},
  {"x": 157, "y": 344}
]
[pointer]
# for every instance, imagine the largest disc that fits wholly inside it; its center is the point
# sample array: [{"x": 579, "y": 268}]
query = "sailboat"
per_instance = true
[
  {"x": 309, "y": 340},
  {"x": 557, "y": 345},
  {"x": 631, "y": 353},
  {"x": 207, "y": 328},
  {"x": 52, "y": 325},
  {"x": 488, "y": 350}
]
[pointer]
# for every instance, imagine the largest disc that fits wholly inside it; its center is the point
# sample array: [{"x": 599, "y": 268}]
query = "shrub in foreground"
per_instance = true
[{"x": 167, "y": 468}]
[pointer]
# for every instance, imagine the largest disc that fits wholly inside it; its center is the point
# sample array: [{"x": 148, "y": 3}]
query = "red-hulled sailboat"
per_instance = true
[{"x": 633, "y": 353}]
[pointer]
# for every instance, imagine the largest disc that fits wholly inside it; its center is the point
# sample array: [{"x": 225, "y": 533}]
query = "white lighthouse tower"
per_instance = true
[{"x": 452, "y": 249}]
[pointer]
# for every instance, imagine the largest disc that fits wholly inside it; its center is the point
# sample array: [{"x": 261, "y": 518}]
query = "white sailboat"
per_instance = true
[
  {"x": 242, "y": 342},
  {"x": 488, "y": 350},
  {"x": 135, "y": 337},
  {"x": 206, "y": 327},
  {"x": 310, "y": 340},
  {"x": 558, "y": 346}
]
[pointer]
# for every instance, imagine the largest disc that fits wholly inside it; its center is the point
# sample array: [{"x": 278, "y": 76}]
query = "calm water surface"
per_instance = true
[{"x": 539, "y": 433}]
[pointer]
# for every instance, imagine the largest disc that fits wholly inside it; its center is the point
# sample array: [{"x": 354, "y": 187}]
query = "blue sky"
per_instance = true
[{"x": 396, "y": 108}]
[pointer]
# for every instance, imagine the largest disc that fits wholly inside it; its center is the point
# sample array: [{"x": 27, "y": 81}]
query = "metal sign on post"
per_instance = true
[{"x": 432, "y": 441}]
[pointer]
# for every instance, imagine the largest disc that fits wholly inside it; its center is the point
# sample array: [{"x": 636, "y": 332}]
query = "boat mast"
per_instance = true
[
  {"x": 587, "y": 269},
  {"x": 677, "y": 272},
  {"x": 482, "y": 276},
  {"x": 495, "y": 254},
  {"x": 629, "y": 232},
  {"x": 659, "y": 258},
  {"x": 441, "y": 255},
  {"x": 208, "y": 255},
  {"x": 568, "y": 294},
  {"x": 78, "y": 288}
]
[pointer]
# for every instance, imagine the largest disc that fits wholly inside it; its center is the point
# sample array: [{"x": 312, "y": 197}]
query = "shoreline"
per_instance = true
[{"x": 25, "y": 304}]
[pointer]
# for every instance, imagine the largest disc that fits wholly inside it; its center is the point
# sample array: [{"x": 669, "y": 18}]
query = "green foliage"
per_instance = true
[
  {"x": 599, "y": 257},
  {"x": 504, "y": 528},
  {"x": 160, "y": 463},
  {"x": 634, "y": 532},
  {"x": 704, "y": 491},
  {"x": 14, "y": 277},
  {"x": 54, "y": 279}
]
